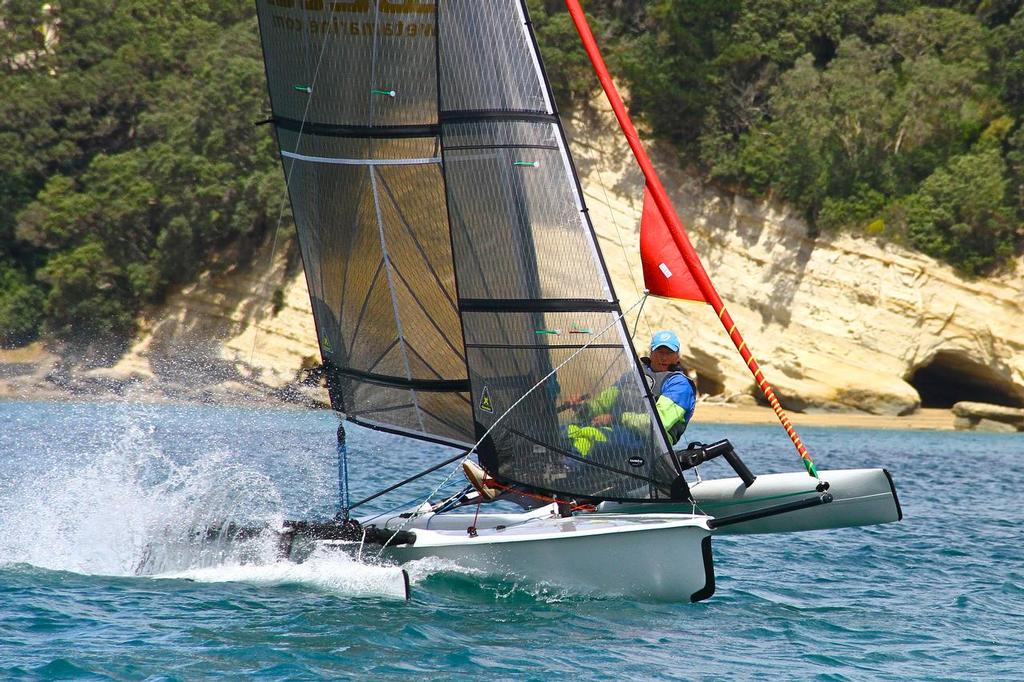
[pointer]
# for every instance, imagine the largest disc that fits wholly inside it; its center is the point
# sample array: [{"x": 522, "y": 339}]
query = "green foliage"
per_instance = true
[
  {"x": 1007, "y": 49},
  {"x": 21, "y": 307},
  {"x": 128, "y": 155},
  {"x": 960, "y": 215},
  {"x": 277, "y": 301},
  {"x": 89, "y": 296},
  {"x": 567, "y": 67},
  {"x": 128, "y": 158},
  {"x": 1015, "y": 162},
  {"x": 860, "y": 114},
  {"x": 672, "y": 70}
]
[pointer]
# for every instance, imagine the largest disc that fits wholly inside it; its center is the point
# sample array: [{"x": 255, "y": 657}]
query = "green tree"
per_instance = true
[
  {"x": 88, "y": 302},
  {"x": 165, "y": 169},
  {"x": 960, "y": 213},
  {"x": 844, "y": 140},
  {"x": 1007, "y": 48},
  {"x": 21, "y": 307},
  {"x": 670, "y": 65}
]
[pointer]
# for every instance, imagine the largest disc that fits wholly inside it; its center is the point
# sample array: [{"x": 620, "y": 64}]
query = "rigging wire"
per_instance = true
[
  {"x": 417, "y": 501},
  {"x": 310, "y": 90},
  {"x": 416, "y": 513},
  {"x": 625, "y": 253},
  {"x": 638, "y": 314}
]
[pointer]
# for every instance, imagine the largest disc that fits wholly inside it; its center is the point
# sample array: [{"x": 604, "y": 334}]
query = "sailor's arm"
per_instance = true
[{"x": 675, "y": 407}]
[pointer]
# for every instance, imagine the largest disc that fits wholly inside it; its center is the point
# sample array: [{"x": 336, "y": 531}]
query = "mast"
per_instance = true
[{"x": 675, "y": 227}]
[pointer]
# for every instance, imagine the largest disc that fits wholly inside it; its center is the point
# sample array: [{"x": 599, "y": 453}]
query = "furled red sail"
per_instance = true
[{"x": 665, "y": 271}]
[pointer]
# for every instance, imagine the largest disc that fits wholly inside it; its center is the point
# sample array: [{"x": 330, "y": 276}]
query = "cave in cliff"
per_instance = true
[{"x": 951, "y": 377}]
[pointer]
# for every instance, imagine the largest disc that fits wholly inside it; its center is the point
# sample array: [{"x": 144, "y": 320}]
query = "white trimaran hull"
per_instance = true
[
  {"x": 646, "y": 556},
  {"x": 861, "y": 497},
  {"x": 663, "y": 555},
  {"x": 628, "y": 550}
]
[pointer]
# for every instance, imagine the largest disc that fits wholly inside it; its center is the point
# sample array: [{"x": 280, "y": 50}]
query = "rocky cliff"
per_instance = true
[{"x": 837, "y": 323}]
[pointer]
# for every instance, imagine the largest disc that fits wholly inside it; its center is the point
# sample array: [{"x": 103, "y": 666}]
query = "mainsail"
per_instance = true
[
  {"x": 354, "y": 105},
  {"x": 457, "y": 286}
]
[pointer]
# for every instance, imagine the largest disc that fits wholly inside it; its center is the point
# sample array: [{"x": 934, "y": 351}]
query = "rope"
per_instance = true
[
  {"x": 287, "y": 185},
  {"x": 625, "y": 253},
  {"x": 401, "y": 505}
]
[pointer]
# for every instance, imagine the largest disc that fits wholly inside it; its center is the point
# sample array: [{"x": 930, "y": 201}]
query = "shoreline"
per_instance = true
[{"x": 924, "y": 419}]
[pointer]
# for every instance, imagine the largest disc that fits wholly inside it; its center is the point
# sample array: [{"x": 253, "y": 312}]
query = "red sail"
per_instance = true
[{"x": 665, "y": 272}]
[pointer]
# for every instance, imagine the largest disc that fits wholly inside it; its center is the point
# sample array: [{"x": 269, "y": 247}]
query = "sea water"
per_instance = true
[{"x": 101, "y": 575}]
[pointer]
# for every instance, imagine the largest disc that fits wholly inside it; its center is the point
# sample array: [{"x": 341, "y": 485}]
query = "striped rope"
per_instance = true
[{"x": 768, "y": 391}]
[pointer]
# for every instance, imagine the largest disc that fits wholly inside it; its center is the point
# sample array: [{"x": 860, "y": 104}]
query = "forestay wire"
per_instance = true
[
  {"x": 417, "y": 513},
  {"x": 625, "y": 253},
  {"x": 310, "y": 89}
]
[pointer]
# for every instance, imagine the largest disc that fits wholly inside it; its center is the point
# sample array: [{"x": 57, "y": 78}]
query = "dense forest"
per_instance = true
[{"x": 129, "y": 158}]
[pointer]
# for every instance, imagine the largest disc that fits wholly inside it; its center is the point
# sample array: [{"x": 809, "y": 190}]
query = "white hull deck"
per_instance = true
[
  {"x": 645, "y": 556},
  {"x": 861, "y": 497}
]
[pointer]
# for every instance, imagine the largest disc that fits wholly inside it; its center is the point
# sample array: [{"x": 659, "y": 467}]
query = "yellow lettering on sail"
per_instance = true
[
  {"x": 353, "y": 6},
  {"x": 363, "y": 6},
  {"x": 408, "y": 6}
]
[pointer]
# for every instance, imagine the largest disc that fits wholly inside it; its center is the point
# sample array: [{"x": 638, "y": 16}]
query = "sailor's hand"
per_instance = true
[{"x": 574, "y": 400}]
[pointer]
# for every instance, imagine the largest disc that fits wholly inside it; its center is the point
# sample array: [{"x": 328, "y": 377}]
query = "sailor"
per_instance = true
[
  {"x": 674, "y": 392},
  {"x": 602, "y": 420}
]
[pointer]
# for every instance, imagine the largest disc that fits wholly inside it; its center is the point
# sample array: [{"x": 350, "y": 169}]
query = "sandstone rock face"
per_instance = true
[
  {"x": 989, "y": 425},
  {"x": 985, "y": 411},
  {"x": 222, "y": 336},
  {"x": 837, "y": 323},
  {"x": 217, "y": 340},
  {"x": 985, "y": 417}
]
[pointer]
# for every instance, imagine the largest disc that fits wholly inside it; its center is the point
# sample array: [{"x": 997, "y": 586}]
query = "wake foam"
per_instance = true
[
  {"x": 112, "y": 512},
  {"x": 328, "y": 571}
]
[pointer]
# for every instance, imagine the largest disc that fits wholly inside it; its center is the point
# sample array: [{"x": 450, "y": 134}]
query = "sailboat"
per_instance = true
[{"x": 461, "y": 298}]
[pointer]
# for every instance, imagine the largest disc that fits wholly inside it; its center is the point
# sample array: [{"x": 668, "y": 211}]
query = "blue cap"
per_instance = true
[{"x": 667, "y": 339}]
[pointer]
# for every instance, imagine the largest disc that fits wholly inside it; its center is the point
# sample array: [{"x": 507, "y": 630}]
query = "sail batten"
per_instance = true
[
  {"x": 537, "y": 305},
  {"x": 362, "y": 162},
  {"x": 364, "y": 132},
  {"x": 508, "y": 115}
]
